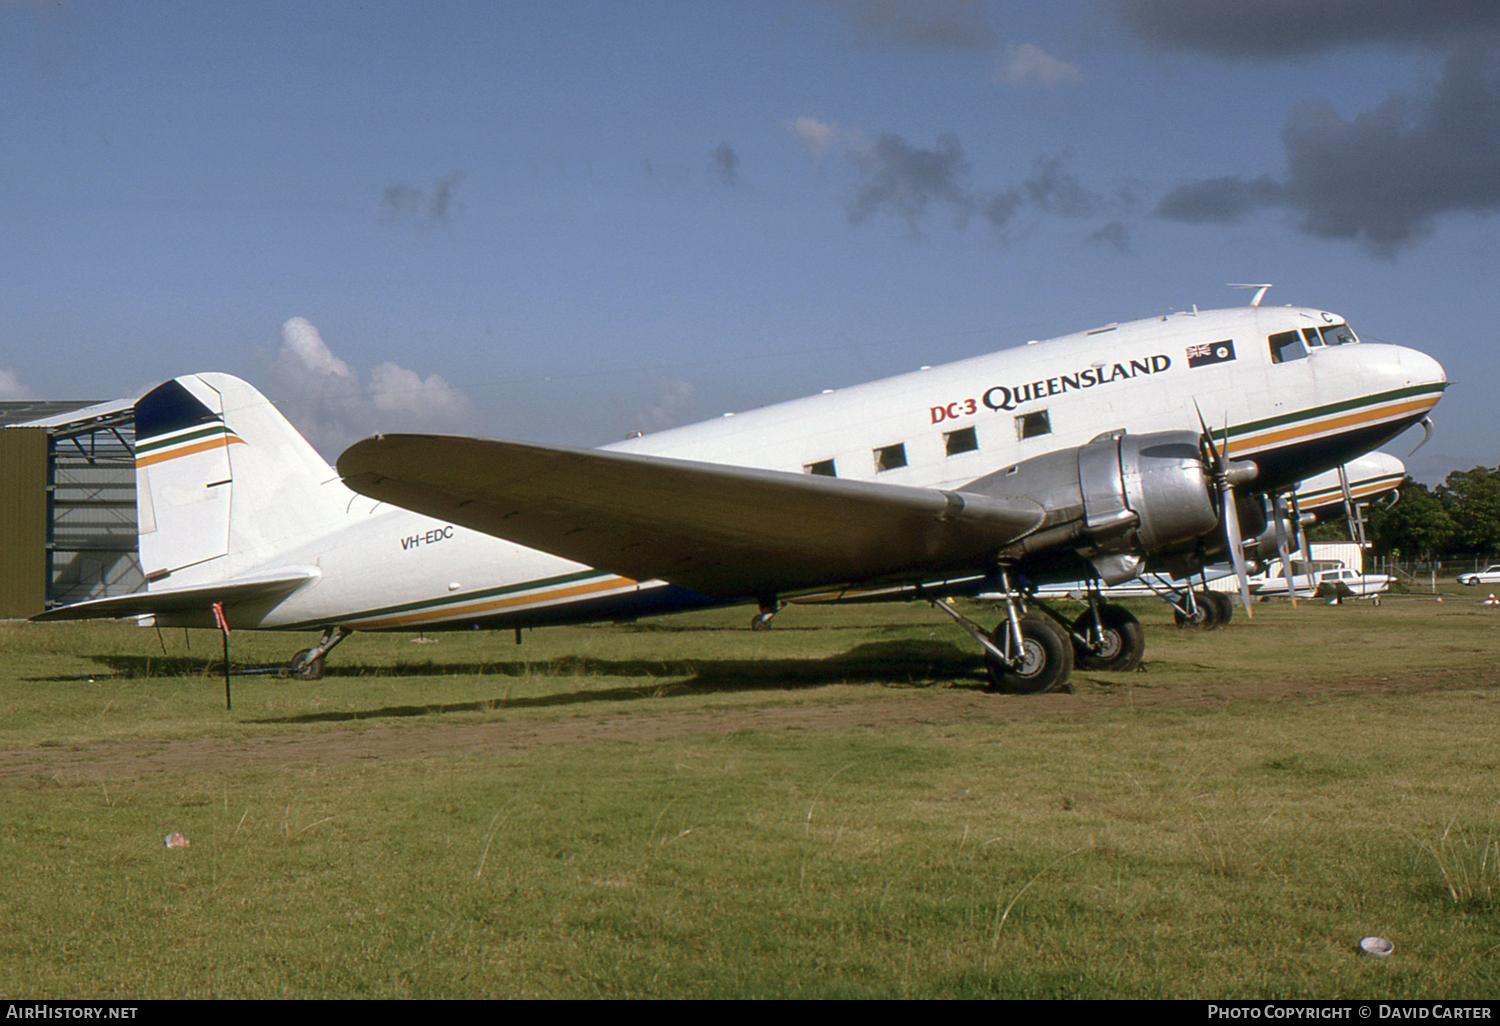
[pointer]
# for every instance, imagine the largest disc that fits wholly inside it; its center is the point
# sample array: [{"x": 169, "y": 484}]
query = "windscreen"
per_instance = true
[{"x": 1338, "y": 335}]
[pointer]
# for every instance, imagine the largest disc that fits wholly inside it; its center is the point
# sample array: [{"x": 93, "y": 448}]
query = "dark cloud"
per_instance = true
[
  {"x": 1115, "y": 234},
  {"x": 1001, "y": 207},
  {"x": 725, "y": 164},
  {"x": 1384, "y": 177},
  {"x": 928, "y": 25},
  {"x": 903, "y": 180},
  {"x": 1053, "y": 189},
  {"x": 1219, "y": 200},
  {"x": 1276, "y": 29},
  {"x": 404, "y": 202}
]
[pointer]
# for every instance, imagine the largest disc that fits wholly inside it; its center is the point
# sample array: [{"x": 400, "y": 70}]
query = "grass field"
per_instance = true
[{"x": 683, "y": 807}]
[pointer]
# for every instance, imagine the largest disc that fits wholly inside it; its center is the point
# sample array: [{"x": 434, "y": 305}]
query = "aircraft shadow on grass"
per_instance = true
[{"x": 892, "y": 663}]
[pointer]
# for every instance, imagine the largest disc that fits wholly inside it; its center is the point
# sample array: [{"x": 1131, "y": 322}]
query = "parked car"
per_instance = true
[{"x": 1489, "y": 575}]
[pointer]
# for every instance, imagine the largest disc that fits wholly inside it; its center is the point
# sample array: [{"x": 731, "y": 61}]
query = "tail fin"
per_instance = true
[{"x": 223, "y": 483}]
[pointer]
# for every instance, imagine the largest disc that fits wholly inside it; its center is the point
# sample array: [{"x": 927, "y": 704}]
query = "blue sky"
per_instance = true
[{"x": 568, "y": 222}]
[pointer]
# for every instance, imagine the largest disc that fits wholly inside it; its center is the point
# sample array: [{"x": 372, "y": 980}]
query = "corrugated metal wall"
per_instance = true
[{"x": 92, "y": 546}]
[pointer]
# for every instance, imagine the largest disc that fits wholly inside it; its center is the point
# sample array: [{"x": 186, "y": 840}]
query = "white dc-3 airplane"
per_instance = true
[{"x": 1082, "y": 456}]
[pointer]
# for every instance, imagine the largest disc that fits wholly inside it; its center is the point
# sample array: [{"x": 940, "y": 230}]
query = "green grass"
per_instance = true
[{"x": 1184, "y": 838}]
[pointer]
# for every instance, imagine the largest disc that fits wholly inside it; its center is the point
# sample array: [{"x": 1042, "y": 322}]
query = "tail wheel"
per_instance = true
[
  {"x": 1046, "y": 658},
  {"x": 302, "y": 669},
  {"x": 1205, "y": 616},
  {"x": 1122, "y": 641}
]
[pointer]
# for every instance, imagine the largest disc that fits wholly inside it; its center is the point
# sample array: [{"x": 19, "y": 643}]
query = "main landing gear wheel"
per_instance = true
[
  {"x": 1122, "y": 641},
  {"x": 1225, "y": 604},
  {"x": 1206, "y": 613},
  {"x": 1045, "y": 662}
]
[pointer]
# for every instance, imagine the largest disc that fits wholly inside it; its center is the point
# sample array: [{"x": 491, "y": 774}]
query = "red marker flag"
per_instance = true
[{"x": 219, "y": 618}]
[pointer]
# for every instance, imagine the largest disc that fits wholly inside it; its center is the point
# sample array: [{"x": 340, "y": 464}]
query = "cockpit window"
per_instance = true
[
  {"x": 1311, "y": 337},
  {"x": 1286, "y": 346},
  {"x": 1338, "y": 335}
]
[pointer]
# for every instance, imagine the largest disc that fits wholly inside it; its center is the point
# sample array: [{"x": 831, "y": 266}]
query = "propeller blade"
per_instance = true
[
  {"x": 1236, "y": 546},
  {"x": 1208, "y": 438},
  {"x": 1223, "y": 475},
  {"x": 1302, "y": 538},
  {"x": 1351, "y": 510},
  {"x": 1278, "y": 509}
]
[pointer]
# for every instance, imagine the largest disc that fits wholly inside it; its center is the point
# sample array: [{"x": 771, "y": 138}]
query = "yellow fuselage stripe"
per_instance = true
[
  {"x": 1358, "y": 419},
  {"x": 529, "y": 599}
]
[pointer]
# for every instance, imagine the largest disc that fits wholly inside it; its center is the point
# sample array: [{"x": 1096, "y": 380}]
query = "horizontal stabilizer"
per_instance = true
[
  {"x": 721, "y": 530},
  {"x": 263, "y": 588}
]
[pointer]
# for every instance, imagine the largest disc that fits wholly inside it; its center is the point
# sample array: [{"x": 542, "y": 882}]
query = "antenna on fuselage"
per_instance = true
[{"x": 1260, "y": 291}]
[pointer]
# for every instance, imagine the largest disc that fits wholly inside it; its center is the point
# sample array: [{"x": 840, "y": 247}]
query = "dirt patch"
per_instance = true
[{"x": 108, "y": 760}]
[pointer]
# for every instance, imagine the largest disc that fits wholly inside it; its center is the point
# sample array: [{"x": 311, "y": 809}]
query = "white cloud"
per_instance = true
[
  {"x": 817, "y": 136},
  {"x": 398, "y": 390},
  {"x": 324, "y": 397},
  {"x": 1027, "y": 63},
  {"x": 303, "y": 351},
  {"x": 814, "y": 135},
  {"x": 11, "y": 389}
]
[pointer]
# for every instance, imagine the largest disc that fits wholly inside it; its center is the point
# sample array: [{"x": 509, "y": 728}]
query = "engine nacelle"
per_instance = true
[{"x": 1114, "y": 501}]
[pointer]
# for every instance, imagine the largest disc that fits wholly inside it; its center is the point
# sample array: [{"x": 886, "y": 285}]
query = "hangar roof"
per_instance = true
[{"x": 66, "y": 417}]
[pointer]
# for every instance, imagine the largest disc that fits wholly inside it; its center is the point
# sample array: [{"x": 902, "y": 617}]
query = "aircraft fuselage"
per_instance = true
[{"x": 1296, "y": 407}]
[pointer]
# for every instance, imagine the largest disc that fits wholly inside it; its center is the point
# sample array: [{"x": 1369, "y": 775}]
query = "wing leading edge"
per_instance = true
[{"x": 721, "y": 530}]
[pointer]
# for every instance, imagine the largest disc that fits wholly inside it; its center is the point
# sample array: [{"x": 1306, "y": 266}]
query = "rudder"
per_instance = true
[{"x": 224, "y": 483}]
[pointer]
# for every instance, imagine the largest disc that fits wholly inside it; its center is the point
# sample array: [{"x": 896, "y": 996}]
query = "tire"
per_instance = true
[
  {"x": 1047, "y": 658},
  {"x": 1207, "y": 617},
  {"x": 1124, "y": 640},
  {"x": 1226, "y": 607},
  {"x": 300, "y": 669}
]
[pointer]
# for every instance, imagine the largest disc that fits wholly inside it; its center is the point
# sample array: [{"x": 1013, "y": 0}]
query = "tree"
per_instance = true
[
  {"x": 1472, "y": 499},
  {"x": 1418, "y": 526}
]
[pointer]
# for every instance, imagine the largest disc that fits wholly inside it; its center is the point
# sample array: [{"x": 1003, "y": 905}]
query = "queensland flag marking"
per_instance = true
[{"x": 1210, "y": 352}]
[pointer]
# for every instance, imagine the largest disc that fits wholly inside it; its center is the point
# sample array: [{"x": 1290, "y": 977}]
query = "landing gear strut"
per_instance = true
[
  {"x": 1107, "y": 637},
  {"x": 1205, "y": 610},
  {"x": 1027, "y": 653},
  {"x": 308, "y": 663},
  {"x": 769, "y": 607},
  {"x": 1043, "y": 660}
]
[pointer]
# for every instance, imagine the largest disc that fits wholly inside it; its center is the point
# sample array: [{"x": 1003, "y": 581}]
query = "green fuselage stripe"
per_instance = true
[
  {"x": 1298, "y": 416},
  {"x": 192, "y": 436},
  {"x": 423, "y": 605}
]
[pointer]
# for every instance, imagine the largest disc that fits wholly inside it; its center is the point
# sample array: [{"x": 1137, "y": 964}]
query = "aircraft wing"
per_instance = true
[
  {"x": 269, "y": 588},
  {"x": 721, "y": 530}
]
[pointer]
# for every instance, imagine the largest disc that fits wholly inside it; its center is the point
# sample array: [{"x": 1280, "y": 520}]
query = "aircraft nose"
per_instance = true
[{"x": 1421, "y": 369}]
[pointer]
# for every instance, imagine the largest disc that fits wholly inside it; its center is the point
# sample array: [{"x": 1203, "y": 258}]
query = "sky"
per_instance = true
[{"x": 572, "y": 221}]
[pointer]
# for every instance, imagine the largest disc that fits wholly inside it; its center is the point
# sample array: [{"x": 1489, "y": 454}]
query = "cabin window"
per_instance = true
[
  {"x": 823, "y": 468},
  {"x": 1287, "y": 346},
  {"x": 890, "y": 457},
  {"x": 1030, "y": 425},
  {"x": 962, "y": 440}
]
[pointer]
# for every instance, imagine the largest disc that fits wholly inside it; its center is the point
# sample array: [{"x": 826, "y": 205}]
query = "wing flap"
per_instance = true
[{"x": 718, "y": 529}]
